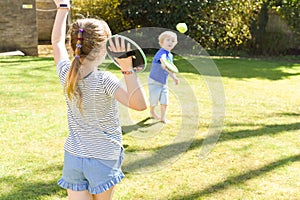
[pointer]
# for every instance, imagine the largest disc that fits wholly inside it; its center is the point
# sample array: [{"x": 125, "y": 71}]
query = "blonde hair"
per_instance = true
[
  {"x": 88, "y": 39},
  {"x": 167, "y": 34}
]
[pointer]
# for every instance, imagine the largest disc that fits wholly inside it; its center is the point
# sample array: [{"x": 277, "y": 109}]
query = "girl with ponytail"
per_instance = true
[{"x": 93, "y": 149}]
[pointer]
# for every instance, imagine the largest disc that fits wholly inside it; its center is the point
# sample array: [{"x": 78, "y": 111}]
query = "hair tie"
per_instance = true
[
  {"x": 78, "y": 46},
  {"x": 77, "y": 56},
  {"x": 79, "y": 36}
]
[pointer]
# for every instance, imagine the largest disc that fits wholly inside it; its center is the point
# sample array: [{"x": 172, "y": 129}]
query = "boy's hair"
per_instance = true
[
  {"x": 165, "y": 35},
  {"x": 88, "y": 39}
]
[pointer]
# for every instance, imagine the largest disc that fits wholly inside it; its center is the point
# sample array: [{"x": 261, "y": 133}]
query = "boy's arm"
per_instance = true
[
  {"x": 58, "y": 36},
  {"x": 172, "y": 74},
  {"x": 163, "y": 65},
  {"x": 174, "y": 77}
]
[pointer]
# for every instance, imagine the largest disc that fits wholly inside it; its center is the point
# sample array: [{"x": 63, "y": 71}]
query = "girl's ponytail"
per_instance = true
[
  {"x": 88, "y": 39},
  {"x": 72, "y": 89}
]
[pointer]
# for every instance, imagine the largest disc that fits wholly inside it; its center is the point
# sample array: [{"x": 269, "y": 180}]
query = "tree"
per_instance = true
[
  {"x": 217, "y": 25},
  {"x": 104, "y": 9},
  {"x": 275, "y": 42}
]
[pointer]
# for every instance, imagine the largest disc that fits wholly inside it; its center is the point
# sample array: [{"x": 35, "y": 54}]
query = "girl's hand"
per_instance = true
[{"x": 118, "y": 46}]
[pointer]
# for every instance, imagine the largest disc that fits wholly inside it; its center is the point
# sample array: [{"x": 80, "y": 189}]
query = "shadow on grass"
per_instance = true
[
  {"x": 293, "y": 114},
  {"x": 241, "y": 178},
  {"x": 22, "y": 68},
  {"x": 239, "y": 68},
  {"x": 172, "y": 150},
  {"x": 141, "y": 124},
  {"x": 253, "y": 68},
  {"x": 25, "y": 65},
  {"x": 33, "y": 190},
  {"x": 161, "y": 158},
  {"x": 266, "y": 130},
  {"x": 29, "y": 190},
  {"x": 21, "y": 59}
]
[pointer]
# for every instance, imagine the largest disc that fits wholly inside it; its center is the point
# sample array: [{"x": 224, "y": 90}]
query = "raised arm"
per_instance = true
[
  {"x": 172, "y": 74},
  {"x": 58, "y": 37},
  {"x": 134, "y": 96}
]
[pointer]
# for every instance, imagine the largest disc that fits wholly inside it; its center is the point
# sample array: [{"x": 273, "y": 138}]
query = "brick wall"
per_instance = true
[
  {"x": 46, "y": 11},
  {"x": 18, "y": 29}
]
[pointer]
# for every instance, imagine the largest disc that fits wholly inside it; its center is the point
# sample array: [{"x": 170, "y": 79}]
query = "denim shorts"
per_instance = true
[
  {"x": 158, "y": 92},
  {"x": 94, "y": 175}
]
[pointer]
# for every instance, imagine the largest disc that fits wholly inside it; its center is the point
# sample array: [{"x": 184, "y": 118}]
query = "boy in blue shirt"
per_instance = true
[{"x": 158, "y": 78}]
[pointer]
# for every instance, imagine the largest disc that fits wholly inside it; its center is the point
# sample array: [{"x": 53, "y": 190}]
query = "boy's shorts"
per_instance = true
[
  {"x": 94, "y": 175},
  {"x": 158, "y": 92}
]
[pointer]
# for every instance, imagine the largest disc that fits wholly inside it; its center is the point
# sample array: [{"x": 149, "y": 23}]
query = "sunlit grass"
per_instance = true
[{"x": 256, "y": 157}]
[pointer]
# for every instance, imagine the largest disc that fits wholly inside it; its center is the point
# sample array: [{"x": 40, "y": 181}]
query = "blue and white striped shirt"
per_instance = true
[{"x": 96, "y": 132}]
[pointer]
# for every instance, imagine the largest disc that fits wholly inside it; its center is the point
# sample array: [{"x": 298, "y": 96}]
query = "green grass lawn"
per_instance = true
[{"x": 257, "y": 155}]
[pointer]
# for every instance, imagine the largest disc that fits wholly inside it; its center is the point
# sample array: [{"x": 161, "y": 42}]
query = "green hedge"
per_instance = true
[{"x": 218, "y": 25}]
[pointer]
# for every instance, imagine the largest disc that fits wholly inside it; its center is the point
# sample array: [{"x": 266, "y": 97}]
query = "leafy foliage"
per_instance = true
[
  {"x": 105, "y": 9},
  {"x": 278, "y": 38},
  {"x": 216, "y": 24}
]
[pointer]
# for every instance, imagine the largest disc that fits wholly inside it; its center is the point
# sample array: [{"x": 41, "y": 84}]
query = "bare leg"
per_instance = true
[
  {"x": 163, "y": 108},
  {"x": 107, "y": 195},
  {"x": 79, "y": 195},
  {"x": 153, "y": 114}
]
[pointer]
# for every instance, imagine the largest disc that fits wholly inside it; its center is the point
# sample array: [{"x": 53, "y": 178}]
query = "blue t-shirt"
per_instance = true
[{"x": 157, "y": 73}]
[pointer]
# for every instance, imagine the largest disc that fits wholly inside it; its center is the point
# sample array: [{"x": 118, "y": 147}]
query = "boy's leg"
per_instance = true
[
  {"x": 164, "y": 103},
  {"x": 163, "y": 108},
  {"x": 154, "y": 94},
  {"x": 153, "y": 114}
]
